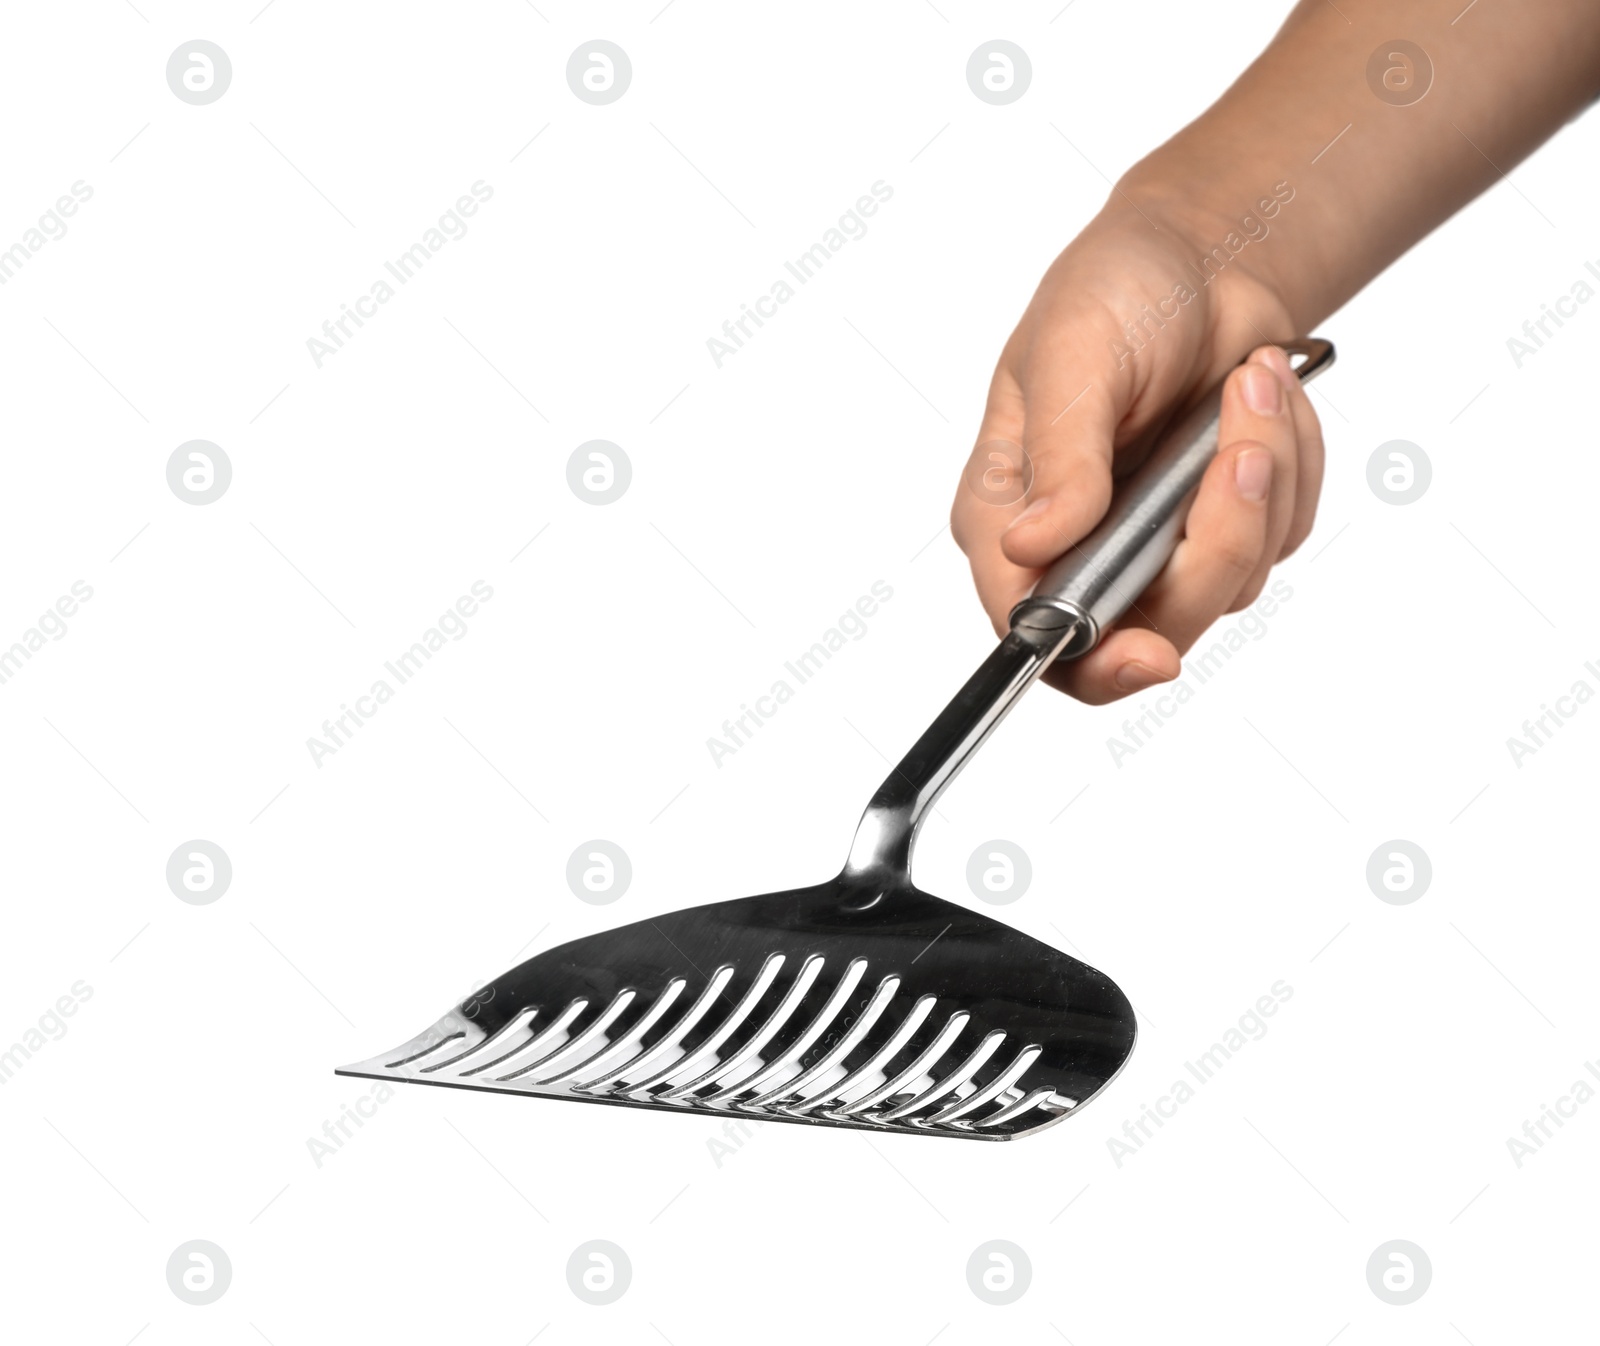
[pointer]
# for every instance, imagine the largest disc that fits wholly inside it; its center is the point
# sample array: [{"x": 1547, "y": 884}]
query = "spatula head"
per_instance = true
[{"x": 886, "y": 1010}]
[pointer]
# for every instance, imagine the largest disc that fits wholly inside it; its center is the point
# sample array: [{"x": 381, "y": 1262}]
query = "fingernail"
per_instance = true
[
  {"x": 1252, "y": 473},
  {"x": 1033, "y": 511},
  {"x": 1263, "y": 391},
  {"x": 1135, "y": 677}
]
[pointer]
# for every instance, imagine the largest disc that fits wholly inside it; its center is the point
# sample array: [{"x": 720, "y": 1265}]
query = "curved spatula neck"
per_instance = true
[{"x": 887, "y": 832}]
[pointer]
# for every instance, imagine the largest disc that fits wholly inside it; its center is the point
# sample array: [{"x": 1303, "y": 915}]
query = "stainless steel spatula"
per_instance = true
[{"x": 861, "y": 1002}]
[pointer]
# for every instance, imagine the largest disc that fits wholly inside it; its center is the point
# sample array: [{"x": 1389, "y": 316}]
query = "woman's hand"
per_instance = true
[{"x": 1132, "y": 322}]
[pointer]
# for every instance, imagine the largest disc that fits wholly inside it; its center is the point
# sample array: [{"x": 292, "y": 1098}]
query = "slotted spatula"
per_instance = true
[{"x": 860, "y": 1002}]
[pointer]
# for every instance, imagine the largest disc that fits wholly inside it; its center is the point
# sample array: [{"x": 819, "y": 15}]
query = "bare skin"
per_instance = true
[{"x": 1108, "y": 346}]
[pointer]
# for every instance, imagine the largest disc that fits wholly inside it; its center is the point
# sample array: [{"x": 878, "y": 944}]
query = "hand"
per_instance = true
[{"x": 1086, "y": 397}]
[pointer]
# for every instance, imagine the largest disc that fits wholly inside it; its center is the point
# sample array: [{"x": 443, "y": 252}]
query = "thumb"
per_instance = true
[{"x": 1068, "y": 436}]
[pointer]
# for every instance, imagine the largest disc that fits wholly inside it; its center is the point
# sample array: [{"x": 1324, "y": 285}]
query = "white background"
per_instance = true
[{"x": 371, "y": 893}]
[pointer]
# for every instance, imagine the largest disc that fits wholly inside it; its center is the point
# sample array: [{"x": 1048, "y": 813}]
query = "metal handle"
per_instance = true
[{"x": 1101, "y": 577}]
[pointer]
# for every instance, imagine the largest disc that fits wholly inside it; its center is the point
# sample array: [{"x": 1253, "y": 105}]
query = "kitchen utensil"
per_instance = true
[{"x": 863, "y": 1001}]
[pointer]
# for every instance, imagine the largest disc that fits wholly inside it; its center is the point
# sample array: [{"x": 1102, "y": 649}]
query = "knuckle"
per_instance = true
[
  {"x": 1293, "y": 542},
  {"x": 1239, "y": 555},
  {"x": 1080, "y": 486},
  {"x": 1248, "y": 594},
  {"x": 1096, "y": 488},
  {"x": 959, "y": 528}
]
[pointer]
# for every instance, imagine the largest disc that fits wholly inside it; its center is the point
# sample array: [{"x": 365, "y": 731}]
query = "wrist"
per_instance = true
[{"x": 1250, "y": 229}]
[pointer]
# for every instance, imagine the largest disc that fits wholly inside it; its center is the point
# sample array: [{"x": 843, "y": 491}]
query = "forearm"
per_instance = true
[{"x": 1372, "y": 172}]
